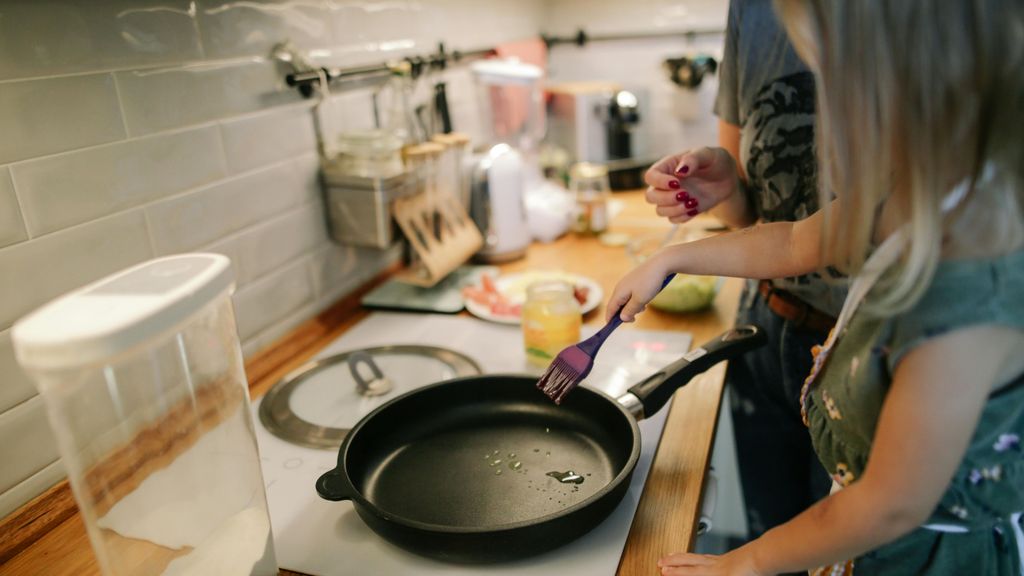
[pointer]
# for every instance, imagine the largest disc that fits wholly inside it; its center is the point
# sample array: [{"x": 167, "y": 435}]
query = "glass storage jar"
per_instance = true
[
  {"x": 370, "y": 154},
  {"x": 589, "y": 184},
  {"x": 551, "y": 320}
]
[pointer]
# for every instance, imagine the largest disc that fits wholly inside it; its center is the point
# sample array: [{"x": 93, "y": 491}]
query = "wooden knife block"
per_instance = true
[{"x": 440, "y": 232}]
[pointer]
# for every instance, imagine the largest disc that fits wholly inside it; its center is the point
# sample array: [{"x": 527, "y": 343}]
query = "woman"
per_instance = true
[
  {"x": 915, "y": 403},
  {"x": 765, "y": 170}
]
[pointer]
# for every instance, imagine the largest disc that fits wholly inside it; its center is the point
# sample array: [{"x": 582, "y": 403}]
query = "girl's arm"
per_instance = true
[
  {"x": 774, "y": 250},
  {"x": 926, "y": 423}
]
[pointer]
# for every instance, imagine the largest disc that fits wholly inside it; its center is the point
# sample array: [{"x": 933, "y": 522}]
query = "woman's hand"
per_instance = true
[
  {"x": 735, "y": 563},
  {"x": 684, "y": 185},
  {"x": 637, "y": 288}
]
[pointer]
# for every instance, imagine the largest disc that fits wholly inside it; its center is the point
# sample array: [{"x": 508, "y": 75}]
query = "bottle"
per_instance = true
[
  {"x": 551, "y": 320},
  {"x": 142, "y": 378},
  {"x": 589, "y": 184}
]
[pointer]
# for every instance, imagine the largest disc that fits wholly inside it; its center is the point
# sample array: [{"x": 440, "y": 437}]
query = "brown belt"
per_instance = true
[{"x": 801, "y": 314}]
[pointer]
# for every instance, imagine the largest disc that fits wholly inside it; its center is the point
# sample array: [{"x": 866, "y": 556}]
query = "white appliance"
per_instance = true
[
  {"x": 323, "y": 538},
  {"x": 497, "y": 206}
]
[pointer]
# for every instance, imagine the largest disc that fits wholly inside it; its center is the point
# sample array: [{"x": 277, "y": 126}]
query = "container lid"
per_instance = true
[
  {"x": 451, "y": 139},
  {"x": 588, "y": 170},
  {"x": 510, "y": 71},
  {"x": 110, "y": 316},
  {"x": 423, "y": 149},
  {"x": 369, "y": 143}
]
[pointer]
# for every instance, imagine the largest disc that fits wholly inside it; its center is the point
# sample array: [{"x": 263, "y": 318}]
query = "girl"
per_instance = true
[{"x": 915, "y": 404}]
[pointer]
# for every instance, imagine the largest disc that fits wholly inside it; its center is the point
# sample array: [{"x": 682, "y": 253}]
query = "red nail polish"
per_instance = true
[
  {"x": 693, "y": 212},
  {"x": 683, "y": 170},
  {"x": 686, "y": 195},
  {"x": 673, "y": 184},
  {"x": 690, "y": 202},
  {"x": 682, "y": 196}
]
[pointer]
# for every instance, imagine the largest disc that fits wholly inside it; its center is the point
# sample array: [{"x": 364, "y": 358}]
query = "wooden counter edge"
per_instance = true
[{"x": 670, "y": 504}]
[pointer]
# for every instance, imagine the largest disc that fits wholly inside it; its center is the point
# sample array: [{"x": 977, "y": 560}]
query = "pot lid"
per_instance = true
[{"x": 318, "y": 403}]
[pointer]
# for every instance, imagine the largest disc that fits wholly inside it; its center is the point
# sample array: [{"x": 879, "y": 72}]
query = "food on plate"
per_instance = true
[
  {"x": 507, "y": 300},
  {"x": 686, "y": 293},
  {"x": 488, "y": 295}
]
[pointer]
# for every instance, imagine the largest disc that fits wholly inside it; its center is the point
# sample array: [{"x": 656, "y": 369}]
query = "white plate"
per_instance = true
[{"x": 513, "y": 286}]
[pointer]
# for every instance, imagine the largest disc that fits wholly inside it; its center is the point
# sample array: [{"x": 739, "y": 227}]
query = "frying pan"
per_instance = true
[{"x": 488, "y": 469}]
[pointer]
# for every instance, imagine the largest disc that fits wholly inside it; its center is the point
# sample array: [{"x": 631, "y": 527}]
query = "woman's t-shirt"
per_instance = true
[{"x": 766, "y": 90}]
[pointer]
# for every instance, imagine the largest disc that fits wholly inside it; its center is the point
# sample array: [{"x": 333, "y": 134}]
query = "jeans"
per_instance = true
[{"x": 780, "y": 474}]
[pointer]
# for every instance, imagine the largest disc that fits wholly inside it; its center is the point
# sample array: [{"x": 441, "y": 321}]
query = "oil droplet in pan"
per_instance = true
[
  {"x": 569, "y": 477},
  {"x": 515, "y": 465}
]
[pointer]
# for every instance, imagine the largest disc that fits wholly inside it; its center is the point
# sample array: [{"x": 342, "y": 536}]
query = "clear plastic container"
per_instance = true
[
  {"x": 551, "y": 320},
  {"x": 145, "y": 390}
]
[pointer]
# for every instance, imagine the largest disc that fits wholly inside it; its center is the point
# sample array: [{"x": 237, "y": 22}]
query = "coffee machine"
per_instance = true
[{"x": 597, "y": 122}]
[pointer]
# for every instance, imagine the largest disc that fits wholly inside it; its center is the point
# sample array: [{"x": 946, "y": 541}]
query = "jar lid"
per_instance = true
[
  {"x": 424, "y": 149},
  {"x": 369, "y": 142},
  {"x": 452, "y": 139},
  {"x": 110, "y": 316},
  {"x": 588, "y": 170}
]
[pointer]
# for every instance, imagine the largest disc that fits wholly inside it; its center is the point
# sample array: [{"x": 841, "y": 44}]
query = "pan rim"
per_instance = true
[{"x": 357, "y": 496}]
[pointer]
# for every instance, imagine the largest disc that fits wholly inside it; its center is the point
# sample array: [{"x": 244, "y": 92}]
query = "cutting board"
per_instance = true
[{"x": 445, "y": 297}]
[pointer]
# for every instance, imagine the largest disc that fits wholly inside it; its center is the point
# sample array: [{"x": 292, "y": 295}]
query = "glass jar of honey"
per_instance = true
[{"x": 551, "y": 320}]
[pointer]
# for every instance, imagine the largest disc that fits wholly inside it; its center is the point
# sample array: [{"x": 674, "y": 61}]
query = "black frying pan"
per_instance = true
[{"x": 475, "y": 469}]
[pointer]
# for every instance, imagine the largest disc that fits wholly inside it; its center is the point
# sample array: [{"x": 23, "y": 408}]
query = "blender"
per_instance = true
[{"x": 506, "y": 173}]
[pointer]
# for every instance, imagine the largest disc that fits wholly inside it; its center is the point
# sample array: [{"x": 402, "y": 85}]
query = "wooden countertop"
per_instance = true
[{"x": 666, "y": 518}]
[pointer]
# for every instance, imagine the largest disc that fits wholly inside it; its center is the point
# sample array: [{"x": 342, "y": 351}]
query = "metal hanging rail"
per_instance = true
[
  {"x": 307, "y": 80},
  {"x": 581, "y": 38}
]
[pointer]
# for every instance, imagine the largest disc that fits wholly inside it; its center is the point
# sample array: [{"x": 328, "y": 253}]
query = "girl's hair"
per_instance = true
[{"x": 915, "y": 97}]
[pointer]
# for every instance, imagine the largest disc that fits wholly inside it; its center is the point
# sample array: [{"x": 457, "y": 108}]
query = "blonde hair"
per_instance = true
[{"x": 914, "y": 98}]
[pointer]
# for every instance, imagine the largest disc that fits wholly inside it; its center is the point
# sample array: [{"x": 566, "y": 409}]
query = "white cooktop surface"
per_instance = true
[{"x": 323, "y": 538}]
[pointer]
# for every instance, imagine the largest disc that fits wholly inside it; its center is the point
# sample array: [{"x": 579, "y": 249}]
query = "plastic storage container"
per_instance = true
[{"x": 143, "y": 382}]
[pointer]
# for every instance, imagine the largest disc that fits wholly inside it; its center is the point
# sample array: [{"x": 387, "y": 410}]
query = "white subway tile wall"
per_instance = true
[
  {"x": 66, "y": 189},
  {"x": 12, "y": 226},
  {"x": 136, "y": 128},
  {"x": 56, "y": 114}
]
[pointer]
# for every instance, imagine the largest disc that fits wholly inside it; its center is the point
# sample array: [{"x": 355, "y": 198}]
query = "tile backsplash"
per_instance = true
[{"x": 131, "y": 129}]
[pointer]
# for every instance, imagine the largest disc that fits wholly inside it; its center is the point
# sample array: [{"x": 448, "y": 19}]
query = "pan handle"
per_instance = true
[
  {"x": 650, "y": 395},
  {"x": 334, "y": 486}
]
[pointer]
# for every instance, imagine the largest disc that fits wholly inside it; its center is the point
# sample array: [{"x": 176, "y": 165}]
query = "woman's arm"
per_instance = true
[
  {"x": 927, "y": 421},
  {"x": 773, "y": 250}
]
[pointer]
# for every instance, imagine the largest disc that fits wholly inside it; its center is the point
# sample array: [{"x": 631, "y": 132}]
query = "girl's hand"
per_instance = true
[
  {"x": 735, "y": 563},
  {"x": 686, "y": 184},
  {"x": 636, "y": 289}
]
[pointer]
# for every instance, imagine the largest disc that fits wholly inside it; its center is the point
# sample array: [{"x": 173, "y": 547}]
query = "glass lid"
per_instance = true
[{"x": 317, "y": 404}]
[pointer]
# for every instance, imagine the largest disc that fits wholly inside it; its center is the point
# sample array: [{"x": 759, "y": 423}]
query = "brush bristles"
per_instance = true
[{"x": 558, "y": 380}]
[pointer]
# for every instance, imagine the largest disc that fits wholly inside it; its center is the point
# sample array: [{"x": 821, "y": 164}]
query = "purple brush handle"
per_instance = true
[{"x": 593, "y": 344}]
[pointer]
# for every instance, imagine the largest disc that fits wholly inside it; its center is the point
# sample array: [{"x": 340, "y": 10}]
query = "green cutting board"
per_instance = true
[{"x": 444, "y": 297}]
